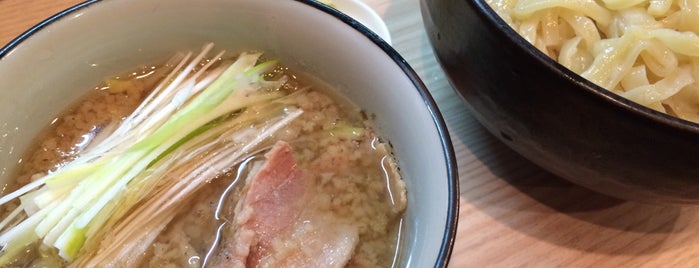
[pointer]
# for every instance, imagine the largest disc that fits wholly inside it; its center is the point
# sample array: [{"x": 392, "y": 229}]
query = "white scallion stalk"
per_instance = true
[{"x": 183, "y": 125}]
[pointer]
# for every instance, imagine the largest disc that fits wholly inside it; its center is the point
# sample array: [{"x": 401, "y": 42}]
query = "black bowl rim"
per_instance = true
[
  {"x": 492, "y": 18},
  {"x": 447, "y": 147}
]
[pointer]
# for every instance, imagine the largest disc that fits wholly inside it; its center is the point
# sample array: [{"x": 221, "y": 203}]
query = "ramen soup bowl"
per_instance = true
[
  {"x": 51, "y": 65},
  {"x": 555, "y": 118}
]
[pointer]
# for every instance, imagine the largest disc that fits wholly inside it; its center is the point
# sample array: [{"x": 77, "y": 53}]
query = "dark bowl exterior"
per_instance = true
[{"x": 557, "y": 119}]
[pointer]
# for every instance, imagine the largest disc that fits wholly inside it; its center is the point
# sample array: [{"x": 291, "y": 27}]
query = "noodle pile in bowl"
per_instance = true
[{"x": 644, "y": 50}]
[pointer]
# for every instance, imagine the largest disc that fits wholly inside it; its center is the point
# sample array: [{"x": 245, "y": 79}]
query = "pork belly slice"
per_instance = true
[{"x": 275, "y": 227}]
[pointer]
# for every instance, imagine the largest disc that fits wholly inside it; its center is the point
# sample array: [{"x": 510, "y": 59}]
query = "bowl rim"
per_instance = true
[
  {"x": 491, "y": 18},
  {"x": 450, "y": 227}
]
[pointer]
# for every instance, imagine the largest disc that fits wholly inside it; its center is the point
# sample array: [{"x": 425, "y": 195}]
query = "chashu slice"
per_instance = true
[{"x": 274, "y": 226}]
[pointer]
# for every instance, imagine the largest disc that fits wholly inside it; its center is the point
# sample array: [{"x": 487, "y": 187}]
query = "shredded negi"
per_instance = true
[{"x": 182, "y": 124}]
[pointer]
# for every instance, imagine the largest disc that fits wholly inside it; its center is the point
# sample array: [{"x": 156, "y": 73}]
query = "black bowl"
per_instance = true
[{"x": 557, "y": 119}]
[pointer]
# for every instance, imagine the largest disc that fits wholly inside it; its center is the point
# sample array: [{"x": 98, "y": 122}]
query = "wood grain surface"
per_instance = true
[{"x": 512, "y": 213}]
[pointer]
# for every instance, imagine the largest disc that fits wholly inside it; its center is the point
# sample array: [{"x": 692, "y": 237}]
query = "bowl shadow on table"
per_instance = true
[{"x": 528, "y": 199}]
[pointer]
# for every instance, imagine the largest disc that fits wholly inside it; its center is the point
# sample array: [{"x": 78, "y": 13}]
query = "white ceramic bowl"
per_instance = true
[
  {"x": 364, "y": 14},
  {"x": 55, "y": 62}
]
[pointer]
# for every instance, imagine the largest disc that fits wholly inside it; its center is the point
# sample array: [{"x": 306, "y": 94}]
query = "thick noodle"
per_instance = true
[{"x": 644, "y": 50}]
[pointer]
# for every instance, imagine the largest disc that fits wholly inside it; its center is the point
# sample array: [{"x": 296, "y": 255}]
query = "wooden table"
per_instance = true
[{"x": 512, "y": 213}]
